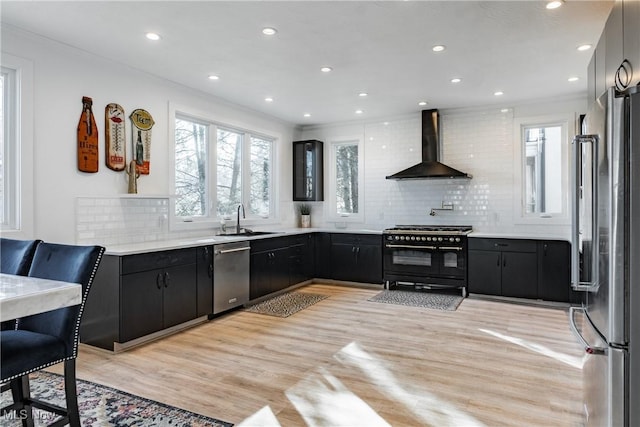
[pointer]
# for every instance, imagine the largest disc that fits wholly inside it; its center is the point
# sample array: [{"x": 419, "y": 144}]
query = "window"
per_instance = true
[
  {"x": 346, "y": 176},
  {"x": 543, "y": 162},
  {"x": 542, "y": 169},
  {"x": 217, "y": 168}
]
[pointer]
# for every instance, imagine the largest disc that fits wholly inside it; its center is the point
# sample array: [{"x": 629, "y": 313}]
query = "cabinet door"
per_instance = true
[
  {"x": 140, "y": 304},
  {"x": 322, "y": 255},
  {"x": 260, "y": 279},
  {"x": 519, "y": 274},
  {"x": 204, "y": 263},
  {"x": 308, "y": 171},
  {"x": 613, "y": 41},
  {"x": 279, "y": 269},
  {"x": 554, "y": 269},
  {"x": 343, "y": 261},
  {"x": 180, "y": 295},
  {"x": 368, "y": 266},
  {"x": 631, "y": 12},
  {"x": 485, "y": 272}
]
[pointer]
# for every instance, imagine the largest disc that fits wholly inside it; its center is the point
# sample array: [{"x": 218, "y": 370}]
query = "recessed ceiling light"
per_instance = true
[
  {"x": 363, "y": 94},
  {"x": 456, "y": 80},
  {"x": 504, "y": 110},
  {"x": 153, "y": 36},
  {"x": 269, "y": 31},
  {"x": 359, "y": 111},
  {"x": 268, "y": 99},
  {"x": 307, "y": 114},
  {"x": 498, "y": 93},
  {"x": 572, "y": 79},
  {"x": 422, "y": 103},
  {"x": 584, "y": 47},
  {"x": 213, "y": 77},
  {"x": 438, "y": 48},
  {"x": 554, "y": 4},
  {"x": 326, "y": 69}
]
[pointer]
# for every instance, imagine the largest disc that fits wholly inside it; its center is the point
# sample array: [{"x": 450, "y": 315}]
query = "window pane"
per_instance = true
[
  {"x": 191, "y": 168},
  {"x": 260, "y": 190},
  {"x": 229, "y": 171},
  {"x": 347, "y": 178},
  {"x": 543, "y": 169}
]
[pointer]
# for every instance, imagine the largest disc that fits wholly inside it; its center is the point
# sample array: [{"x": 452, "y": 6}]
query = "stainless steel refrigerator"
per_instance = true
[{"x": 606, "y": 257}]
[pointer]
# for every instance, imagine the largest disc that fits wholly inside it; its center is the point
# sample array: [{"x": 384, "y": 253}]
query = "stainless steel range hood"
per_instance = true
[{"x": 430, "y": 167}]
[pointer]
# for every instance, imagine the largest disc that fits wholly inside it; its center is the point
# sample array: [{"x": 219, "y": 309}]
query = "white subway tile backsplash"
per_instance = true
[{"x": 121, "y": 220}]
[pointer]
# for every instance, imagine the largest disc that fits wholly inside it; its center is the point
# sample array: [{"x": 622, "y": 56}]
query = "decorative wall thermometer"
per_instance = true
[
  {"x": 115, "y": 138},
  {"x": 141, "y": 139},
  {"x": 87, "y": 138}
]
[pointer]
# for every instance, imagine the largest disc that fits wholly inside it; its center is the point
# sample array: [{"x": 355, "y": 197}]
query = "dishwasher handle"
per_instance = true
[{"x": 227, "y": 251}]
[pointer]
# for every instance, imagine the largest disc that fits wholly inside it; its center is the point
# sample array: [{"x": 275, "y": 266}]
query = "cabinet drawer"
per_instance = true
[
  {"x": 155, "y": 260},
  {"x": 510, "y": 245},
  {"x": 269, "y": 244},
  {"x": 356, "y": 239}
]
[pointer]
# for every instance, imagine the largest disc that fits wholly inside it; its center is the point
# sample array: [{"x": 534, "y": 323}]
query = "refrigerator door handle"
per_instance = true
[
  {"x": 587, "y": 347},
  {"x": 583, "y": 185}
]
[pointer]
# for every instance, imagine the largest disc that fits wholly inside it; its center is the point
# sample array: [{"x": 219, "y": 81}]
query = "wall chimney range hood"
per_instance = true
[{"x": 430, "y": 167}]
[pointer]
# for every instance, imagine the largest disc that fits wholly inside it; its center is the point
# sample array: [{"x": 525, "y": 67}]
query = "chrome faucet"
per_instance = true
[{"x": 238, "y": 221}]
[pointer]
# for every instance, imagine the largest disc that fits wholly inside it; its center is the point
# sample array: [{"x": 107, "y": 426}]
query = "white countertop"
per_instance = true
[
  {"x": 519, "y": 235},
  {"x": 163, "y": 245}
]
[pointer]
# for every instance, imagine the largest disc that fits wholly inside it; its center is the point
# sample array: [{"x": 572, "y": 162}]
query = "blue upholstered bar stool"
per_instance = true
[
  {"x": 15, "y": 258},
  {"x": 45, "y": 339}
]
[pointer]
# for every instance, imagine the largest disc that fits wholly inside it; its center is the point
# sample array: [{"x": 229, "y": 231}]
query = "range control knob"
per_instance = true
[
  {"x": 451, "y": 239},
  {"x": 428, "y": 239},
  {"x": 439, "y": 239},
  {"x": 423, "y": 238},
  {"x": 457, "y": 239},
  {"x": 413, "y": 237}
]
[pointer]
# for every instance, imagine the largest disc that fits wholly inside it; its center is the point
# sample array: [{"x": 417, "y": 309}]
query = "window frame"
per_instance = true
[
  {"x": 567, "y": 123},
  {"x": 332, "y": 214},
  {"x": 212, "y": 219},
  {"x": 21, "y": 155}
]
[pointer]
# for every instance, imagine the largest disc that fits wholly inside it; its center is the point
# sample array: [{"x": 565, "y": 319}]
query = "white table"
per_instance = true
[{"x": 22, "y": 296}]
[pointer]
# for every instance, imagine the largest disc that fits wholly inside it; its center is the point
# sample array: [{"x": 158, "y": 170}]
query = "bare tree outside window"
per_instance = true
[
  {"x": 191, "y": 168},
  {"x": 209, "y": 173},
  {"x": 347, "y": 178},
  {"x": 229, "y": 180},
  {"x": 260, "y": 188}
]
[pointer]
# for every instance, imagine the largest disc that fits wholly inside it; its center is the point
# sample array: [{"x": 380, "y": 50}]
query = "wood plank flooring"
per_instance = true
[{"x": 346, "y": 361}]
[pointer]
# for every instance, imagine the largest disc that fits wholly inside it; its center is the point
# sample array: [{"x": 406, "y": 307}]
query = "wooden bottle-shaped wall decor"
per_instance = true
[
  {"x": 115, "y": 138},
  {"x": 87, "y": 138}
]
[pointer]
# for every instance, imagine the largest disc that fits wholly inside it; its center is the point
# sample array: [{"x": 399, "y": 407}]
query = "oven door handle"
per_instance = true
[
  {"x": 450, "y": 248},
  {"x": 388, "y": 245}
]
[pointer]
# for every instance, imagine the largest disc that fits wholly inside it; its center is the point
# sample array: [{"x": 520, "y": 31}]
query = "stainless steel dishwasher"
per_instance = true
[{"x": 230, "y": 275}]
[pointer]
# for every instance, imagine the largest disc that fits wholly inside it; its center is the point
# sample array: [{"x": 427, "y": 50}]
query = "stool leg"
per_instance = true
[
  {"x": 71, "y": 392},
  {"x": 20, "y": 393}
]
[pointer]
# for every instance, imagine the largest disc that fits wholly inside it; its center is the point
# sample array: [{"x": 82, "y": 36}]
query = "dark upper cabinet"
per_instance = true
[{"x": 308, "y": 171}]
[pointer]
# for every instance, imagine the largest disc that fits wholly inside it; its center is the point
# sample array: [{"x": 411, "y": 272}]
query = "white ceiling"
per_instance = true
[{"x": 379, "y": 47}]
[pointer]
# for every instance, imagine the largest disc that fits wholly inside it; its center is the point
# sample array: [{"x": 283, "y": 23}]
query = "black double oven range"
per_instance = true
[{"x": 426, "y": 257}]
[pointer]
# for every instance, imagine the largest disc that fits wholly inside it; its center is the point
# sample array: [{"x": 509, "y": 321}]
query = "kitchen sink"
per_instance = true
[{"x": 246, "y": 232}]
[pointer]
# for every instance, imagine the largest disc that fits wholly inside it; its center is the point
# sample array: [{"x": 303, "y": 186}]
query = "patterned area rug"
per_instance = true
[
  {"x": 102, "y": 406},
  {"x": 286, "y": 304},
  {"x": 419, "y": 299}
]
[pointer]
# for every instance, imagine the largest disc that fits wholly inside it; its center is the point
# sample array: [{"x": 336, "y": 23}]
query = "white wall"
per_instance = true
[
  {"x": 62, "y": 76},
  {"x": 477, "y": 141}
]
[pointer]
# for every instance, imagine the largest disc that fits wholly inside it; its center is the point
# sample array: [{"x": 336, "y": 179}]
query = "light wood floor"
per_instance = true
[{"x": 346, "y": 361}]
